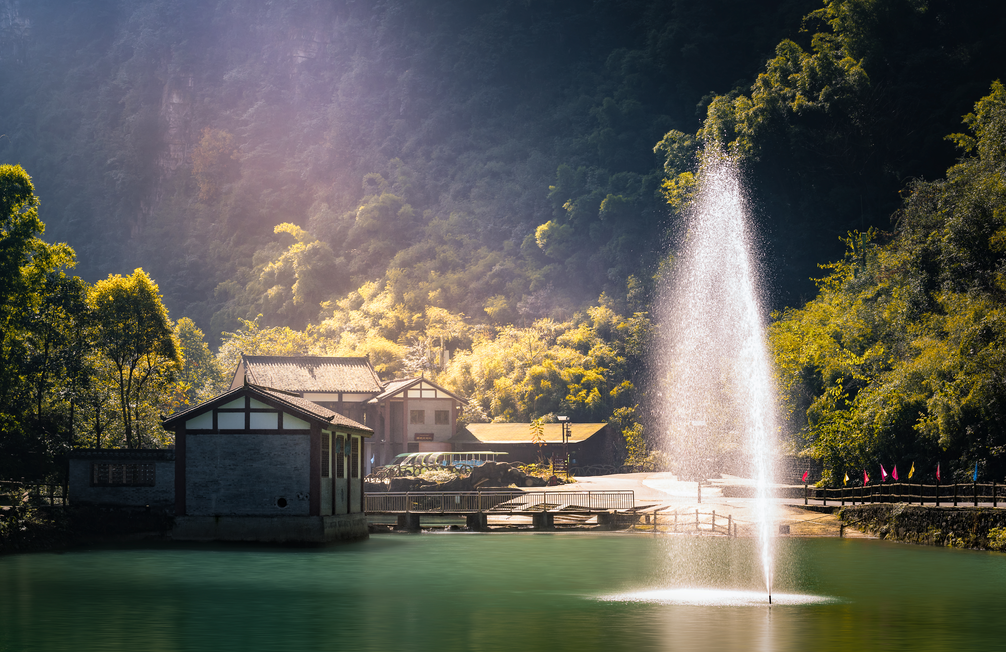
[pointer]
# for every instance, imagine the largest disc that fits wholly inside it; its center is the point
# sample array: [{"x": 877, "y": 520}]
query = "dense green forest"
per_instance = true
[
  {"x": 901, "y": 358},
  {"x": 481, "y": 192}
]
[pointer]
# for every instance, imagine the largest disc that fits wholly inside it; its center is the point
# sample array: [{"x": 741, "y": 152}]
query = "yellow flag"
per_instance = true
[
  {"x": 911, "y": 470},
  {"x": 846, "y": 481}
]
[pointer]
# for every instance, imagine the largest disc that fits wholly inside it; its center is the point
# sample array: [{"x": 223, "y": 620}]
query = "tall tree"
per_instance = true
[
  {"x": 27, "y": 265},
  {"x": 201, "y": 376},
  {"x": 136, "y": 336}
]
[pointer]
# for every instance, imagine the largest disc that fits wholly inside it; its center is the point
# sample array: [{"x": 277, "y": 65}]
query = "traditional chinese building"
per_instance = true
[
  {"x": 258, "y": 464},
  {"x": 408, "y": 415}
]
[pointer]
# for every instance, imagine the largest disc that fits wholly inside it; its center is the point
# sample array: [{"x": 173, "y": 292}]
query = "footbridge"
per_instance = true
[{"x": 478, "y": 506}]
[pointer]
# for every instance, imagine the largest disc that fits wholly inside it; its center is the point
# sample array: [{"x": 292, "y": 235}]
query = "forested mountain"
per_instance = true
[
  {"x": 420, "y": 137},
  {"x": 423, "y": 179}
]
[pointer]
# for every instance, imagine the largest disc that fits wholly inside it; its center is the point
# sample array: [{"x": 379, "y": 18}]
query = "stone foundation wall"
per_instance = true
[
  {"x": 271, "y": 529},
  {"x": 981, "y": 528}
]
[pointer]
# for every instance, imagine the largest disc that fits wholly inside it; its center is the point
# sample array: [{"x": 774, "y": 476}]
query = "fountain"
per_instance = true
[{"x": 716, "y": 404}]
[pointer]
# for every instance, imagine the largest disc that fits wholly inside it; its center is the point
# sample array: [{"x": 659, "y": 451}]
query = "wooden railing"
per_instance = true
[
  {"x": 48, "y": 494},
  {"x": 688, "y": 521},
  {"x": 973, "y": 493},
  {"x": 498, "y": 502}
]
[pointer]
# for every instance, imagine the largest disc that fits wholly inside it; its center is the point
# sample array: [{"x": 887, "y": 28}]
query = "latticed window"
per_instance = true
[
  {"x": 355, "y": 461},
  {"x": 340, "y": 457},
  {"x": 326, "y": 455},
  {"x": 130, "y": 474},
  {"x": 442, "y": 417},
  {"x": 417, "y": 416}
]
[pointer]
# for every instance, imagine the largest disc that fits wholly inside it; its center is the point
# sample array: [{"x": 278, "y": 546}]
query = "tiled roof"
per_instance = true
[
  {"x": 311, "y": 373},
  {"x": 280, "y": 400},
  {"x": 311, "y": 407},
  {"x": 520, "y": 433}
]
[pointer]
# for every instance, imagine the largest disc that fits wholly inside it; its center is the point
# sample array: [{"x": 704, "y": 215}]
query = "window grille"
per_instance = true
[
  {"x": 442, "y": 417},
  {"x": 340, "y": 457},
  {"x": 130, "y": 474},
  {"x": 417, "y": 416},
  {"x": 355, "y": 461},
  {"x": 326, "y": 455}
]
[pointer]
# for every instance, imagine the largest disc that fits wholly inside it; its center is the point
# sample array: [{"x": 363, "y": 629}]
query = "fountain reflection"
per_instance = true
[{"x": 704, "y": 597}]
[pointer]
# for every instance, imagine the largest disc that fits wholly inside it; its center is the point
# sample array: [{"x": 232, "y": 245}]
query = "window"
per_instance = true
[
  {"x": 122, "y": 475},
  {"x": 326, "y": 455},
  {"x": 417, "y": 416},
  {"x": 355, "y": 461},
  {"x": 442, "y": 417},
  {"x": 340, "y": 457}
]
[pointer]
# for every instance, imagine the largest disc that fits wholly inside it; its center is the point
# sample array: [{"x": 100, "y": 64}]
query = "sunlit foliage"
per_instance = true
[
  {"x": 135, "y": 335},
  {"x": 901, "y": 356}
]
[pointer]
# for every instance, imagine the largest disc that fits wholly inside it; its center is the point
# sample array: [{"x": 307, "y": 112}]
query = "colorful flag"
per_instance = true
[
  {"x": 866, "y": 478},
  {"x": 883, "y": 474},
  {"x": 911, "y": 471},
  {"x": 805, "y": 474},
  {"x": 894, "y": 473},
  {"x": 974, "y": 478},
  {"x": 937, "y": 471},
  {"x": 846, "y": 481}
]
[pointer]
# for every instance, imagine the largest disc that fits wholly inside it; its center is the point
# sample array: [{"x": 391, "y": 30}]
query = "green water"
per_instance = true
[{"x": 572, "y": 591}]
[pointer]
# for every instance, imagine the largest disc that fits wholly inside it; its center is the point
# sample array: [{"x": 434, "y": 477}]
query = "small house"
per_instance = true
[
  {"x": 414, "y": 415},
  {"x": 259, "y": 464}
]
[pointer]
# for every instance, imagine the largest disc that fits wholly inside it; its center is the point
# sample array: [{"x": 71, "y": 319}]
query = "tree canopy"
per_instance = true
[{"x": 900, "y": 357}]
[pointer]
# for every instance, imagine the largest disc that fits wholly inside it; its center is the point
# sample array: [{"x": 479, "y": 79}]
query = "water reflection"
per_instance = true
[
  {"x": 703, "y": 597},
  {"x": 503, "y": 592}
]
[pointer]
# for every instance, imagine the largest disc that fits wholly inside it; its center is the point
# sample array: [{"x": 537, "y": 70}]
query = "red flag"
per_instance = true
[
  {"x": 866, "y": 478},
  {"x": 805, "y": 474},
  {"x": 937, "y": 471},
  {"x": 883, "y": 474},
  {"x": 894, "y": 473}
]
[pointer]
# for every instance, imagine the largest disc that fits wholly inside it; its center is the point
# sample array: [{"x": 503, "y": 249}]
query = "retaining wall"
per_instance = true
[{"x": 982, "y": 528}]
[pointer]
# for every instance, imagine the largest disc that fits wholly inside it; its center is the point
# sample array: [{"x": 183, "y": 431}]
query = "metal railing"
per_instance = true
[{"x": 497, "y": 502}]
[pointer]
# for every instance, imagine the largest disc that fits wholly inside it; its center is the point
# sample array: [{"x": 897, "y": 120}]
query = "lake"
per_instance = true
[{"x": 504, "y": 591}]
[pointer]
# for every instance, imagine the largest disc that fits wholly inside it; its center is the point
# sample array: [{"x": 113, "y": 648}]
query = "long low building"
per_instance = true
[{"x": 588, "y": 444}]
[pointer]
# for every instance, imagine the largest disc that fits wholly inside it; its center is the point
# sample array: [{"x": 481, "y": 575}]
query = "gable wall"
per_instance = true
[{"x": 247, "y": 474}]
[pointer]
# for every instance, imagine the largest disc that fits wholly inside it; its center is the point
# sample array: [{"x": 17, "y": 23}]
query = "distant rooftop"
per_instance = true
[
  {"x": 519, "y": 433},
  {"x": 308, "y": 373}
]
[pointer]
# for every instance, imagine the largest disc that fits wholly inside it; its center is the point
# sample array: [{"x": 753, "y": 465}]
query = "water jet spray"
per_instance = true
[{"x": 713, "y": 359}]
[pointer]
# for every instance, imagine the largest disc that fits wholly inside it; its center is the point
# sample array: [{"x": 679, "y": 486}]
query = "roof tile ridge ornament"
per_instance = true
[{"x": 244, "y": 365}]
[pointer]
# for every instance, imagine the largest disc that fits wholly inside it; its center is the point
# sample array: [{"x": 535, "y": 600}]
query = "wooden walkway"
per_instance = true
[{"x": 477, "y": 506}]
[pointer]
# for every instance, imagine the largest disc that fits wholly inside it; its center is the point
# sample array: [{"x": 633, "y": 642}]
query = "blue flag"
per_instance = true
[{"x": 974, "y": 478}]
